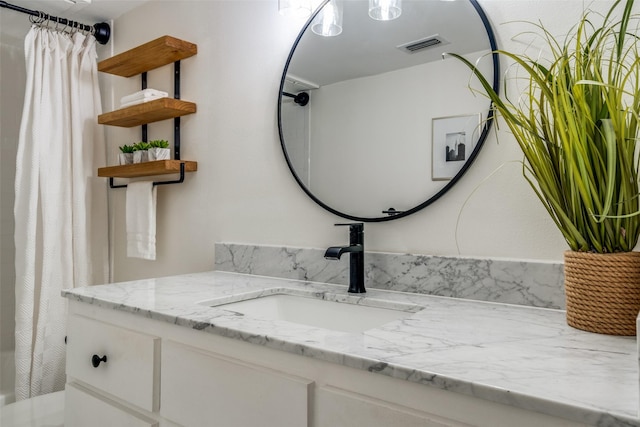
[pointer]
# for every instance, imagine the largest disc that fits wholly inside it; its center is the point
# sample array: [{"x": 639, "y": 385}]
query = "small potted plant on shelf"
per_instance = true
[
  {"x": 577, "y": 123},
  {"x": 140, "y": 153},
  {"x": 125, "y": 157},
  {"x": 159, "y": 150}
]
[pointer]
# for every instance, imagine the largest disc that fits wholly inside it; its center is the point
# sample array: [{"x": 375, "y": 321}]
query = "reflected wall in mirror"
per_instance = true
[{"x": 359, "y": 113}]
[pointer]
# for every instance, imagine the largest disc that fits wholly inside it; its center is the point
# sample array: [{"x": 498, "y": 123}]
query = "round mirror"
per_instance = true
[{"x": 375, "y": 123}]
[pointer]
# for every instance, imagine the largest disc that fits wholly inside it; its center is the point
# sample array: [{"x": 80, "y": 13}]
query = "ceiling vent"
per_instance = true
[{"x": 422, "y": 44}]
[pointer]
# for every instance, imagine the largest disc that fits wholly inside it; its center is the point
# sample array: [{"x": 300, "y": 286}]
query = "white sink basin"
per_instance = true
[{"x": 342, "y": 316}]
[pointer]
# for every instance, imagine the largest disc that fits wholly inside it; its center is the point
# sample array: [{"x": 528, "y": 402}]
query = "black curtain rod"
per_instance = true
[{"x": 101, "y": 31}]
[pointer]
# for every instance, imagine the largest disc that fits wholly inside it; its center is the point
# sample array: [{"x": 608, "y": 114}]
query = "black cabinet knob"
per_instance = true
[{"x": 95, "y": 360}]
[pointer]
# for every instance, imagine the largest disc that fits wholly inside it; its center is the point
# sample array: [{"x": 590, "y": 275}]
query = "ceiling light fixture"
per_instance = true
[
  {"x": 328, "y": 22},
  {"x": 385, "y": 10},
  {"x": 295, "y": 8}
]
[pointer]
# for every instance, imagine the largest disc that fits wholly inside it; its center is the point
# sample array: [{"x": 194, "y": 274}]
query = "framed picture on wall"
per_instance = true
[{"x": 453, "y": 141}]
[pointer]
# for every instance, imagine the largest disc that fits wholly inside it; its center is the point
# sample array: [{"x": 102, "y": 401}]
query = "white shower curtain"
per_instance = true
[{"x": 60, "y": 207}]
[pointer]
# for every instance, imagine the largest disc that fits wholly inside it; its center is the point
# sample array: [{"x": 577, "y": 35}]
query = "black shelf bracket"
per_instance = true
[
  {"x": 175, "y": 181},
  {"x": 176, "y": 120},
  {"x": 145, "y": 133}
]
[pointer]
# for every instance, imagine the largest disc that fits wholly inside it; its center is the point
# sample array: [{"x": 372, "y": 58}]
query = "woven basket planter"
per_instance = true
[{"x": 602, "y": 291}]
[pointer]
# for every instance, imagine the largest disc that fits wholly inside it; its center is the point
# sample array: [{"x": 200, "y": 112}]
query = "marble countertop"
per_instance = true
[{"x": 521, "y": 356}]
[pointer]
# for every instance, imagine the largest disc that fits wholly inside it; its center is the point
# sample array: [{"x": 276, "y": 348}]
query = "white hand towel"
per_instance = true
[
  {"x": 141, "y": 101},
  {"x": 145, "y": 93},
  {"x": 141, "y": 220}
]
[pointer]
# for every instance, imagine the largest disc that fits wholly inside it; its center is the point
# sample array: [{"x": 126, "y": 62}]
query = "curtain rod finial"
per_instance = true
[{"x": 102, "y": 32}]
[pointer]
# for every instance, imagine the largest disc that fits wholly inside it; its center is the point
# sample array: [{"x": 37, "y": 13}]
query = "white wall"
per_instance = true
[
  {"x": 297, "y": 133},
  {"x": 243, "y": 191},
  {"x": 12, "y": 82}
]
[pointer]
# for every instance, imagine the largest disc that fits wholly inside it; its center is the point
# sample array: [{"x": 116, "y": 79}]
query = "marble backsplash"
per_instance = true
[{"x": 538, "y": 284}]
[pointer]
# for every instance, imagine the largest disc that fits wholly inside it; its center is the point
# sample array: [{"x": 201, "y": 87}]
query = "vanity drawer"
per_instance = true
[
  {"x": 334, "y": 405},
  {"x": 205, "y": 389},
  {"x": 131, "y": 370},
  {"x": 94, "y": 411}
]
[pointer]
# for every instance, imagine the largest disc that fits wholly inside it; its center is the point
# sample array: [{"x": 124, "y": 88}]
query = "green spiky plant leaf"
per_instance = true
[
  {"x": 126, "y": 148},
  {"x": 577, "y": 126},
  {"x": 159, "y": 143},
  {"x": 141, "y": 146}
]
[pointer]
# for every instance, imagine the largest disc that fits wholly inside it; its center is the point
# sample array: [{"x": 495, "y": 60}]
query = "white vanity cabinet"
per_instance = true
[
  {"x": 90, "y": 409},
  {"x": 201, "y": 388},
  {"x": 114, "y": 362},
  {"x": 161, "y": 374}
]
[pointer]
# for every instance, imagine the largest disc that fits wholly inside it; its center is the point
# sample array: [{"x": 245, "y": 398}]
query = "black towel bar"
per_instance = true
[{"x": 176, "y": 181}]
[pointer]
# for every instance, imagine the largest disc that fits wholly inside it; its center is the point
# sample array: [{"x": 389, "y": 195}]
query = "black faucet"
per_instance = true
[{"x": 356, "y": 257}]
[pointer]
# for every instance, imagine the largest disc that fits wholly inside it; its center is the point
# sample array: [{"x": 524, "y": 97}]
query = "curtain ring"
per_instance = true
[{"x": 37, "y": 20}]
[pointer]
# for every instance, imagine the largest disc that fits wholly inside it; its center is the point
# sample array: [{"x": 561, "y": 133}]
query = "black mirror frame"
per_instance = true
[{"x": 483, "y": 136}]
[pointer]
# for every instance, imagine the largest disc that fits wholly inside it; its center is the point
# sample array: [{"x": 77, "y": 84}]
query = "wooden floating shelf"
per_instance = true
[
  {"x": 147, "y": 112},
  {"x": 154, "y": 54},
  {"x": 159, "y": 167}
]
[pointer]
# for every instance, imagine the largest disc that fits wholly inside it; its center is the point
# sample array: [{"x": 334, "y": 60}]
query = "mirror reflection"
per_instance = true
[{"x": 374, "y": 118}]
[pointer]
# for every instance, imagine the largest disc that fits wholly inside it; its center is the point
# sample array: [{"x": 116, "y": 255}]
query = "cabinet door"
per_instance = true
[
  {"x": 341, "y": 408},
  {"x": 202, "y": 389},
  {"x": 85, "y": 408},
  {"x": 130, "y": 371}
]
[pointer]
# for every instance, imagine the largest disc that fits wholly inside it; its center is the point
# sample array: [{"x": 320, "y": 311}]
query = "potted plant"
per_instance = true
[
  {"x": 577, "y": 123},
  {"x": 140, "y": 153},
  {"x": 125, "y": 157},
  {"x": 159, "y": 150}
]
